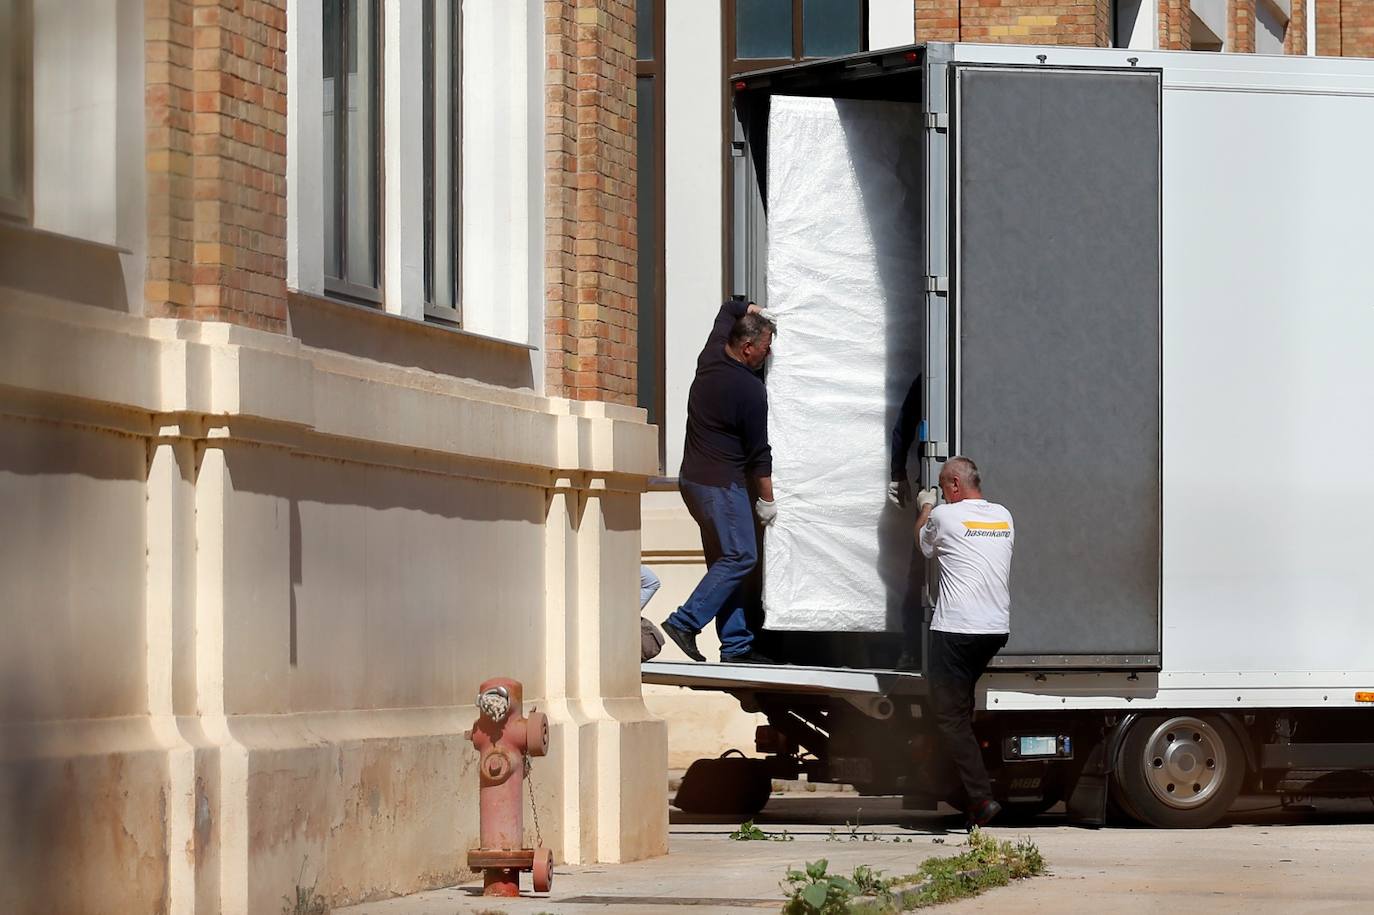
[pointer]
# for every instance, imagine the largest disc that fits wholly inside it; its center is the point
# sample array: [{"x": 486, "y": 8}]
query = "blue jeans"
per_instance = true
[{"x": 726, "y": 520}]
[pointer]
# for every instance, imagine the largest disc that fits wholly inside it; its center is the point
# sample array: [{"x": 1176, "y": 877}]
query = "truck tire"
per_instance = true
[{"x": 1179, "y": 771}]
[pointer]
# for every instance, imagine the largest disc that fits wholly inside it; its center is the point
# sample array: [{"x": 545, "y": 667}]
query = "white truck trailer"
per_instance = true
[{"x": 1148, "y": 312}]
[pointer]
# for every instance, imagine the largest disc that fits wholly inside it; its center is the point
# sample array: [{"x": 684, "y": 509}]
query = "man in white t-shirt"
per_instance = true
[{"x": 972, "y": 538}]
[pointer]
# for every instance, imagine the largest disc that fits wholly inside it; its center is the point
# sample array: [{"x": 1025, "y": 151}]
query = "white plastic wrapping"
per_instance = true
[{"x": 846, "y": 280}]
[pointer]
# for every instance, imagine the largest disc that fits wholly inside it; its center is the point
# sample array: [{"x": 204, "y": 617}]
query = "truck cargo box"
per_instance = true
[{"x": 1140, "y": 300}]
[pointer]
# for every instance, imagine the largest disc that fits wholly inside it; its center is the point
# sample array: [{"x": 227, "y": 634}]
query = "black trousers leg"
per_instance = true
[{"x": 956, "y": 663}]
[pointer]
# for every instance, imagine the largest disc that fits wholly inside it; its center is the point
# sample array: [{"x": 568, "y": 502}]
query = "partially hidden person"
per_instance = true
[{"x": 650, "y": 639}]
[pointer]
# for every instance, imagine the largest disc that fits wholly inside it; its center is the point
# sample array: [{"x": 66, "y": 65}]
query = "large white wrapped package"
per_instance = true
[{"x": 845, "y": 278}]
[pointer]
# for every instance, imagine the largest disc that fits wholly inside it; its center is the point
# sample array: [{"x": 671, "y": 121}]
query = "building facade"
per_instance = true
[
  {"x": 689, "y": 257},
  {"x": 316, "y": 410}
]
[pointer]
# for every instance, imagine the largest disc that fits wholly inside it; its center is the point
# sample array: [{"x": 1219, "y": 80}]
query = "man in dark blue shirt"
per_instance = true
[{"x": 726, "y": 457}]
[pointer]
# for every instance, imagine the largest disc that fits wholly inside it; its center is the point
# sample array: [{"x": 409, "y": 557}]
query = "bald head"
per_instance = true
[{"x": 959, "y": 480}]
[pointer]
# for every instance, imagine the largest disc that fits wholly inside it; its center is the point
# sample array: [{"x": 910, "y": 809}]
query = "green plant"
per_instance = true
[
  {"x": 869, "y": 882},
  {"x": 986, "y": 863},
  {"x": 748, "y": 832},
  {"x": 813, "y": 891}
]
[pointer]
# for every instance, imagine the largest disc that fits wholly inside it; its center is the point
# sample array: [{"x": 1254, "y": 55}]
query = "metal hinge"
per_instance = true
[
  {"x": 737, "y": 149},
  {"x": 937, "y": 284},
  {"x": 935, "y": 449},
  {"x": 937, "y": 120}
]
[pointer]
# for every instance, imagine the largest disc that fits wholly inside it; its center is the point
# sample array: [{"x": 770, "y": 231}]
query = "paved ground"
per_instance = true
[{"x": 1260, "y": 860}]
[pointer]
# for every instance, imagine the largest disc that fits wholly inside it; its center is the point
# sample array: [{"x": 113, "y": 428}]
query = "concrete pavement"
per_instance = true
[{"x": 1263, "y": 859}]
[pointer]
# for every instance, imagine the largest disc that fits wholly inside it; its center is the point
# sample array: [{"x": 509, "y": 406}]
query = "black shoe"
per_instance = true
[
  {"x": 684, "y": 640},
  {"x": 983, "y": 813},
  {"x": 749, "y": 657}
]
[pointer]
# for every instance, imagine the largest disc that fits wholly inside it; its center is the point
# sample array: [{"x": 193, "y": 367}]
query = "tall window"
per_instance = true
[
  {"x": 760, "y": 34},
  {"x": 443, "y": 72},
  {"x": 649, "y": 218},
  {"x": 16, "y": 92},
  {"x": 770, "y": 33},
  {"x": 352, "y": 128}
]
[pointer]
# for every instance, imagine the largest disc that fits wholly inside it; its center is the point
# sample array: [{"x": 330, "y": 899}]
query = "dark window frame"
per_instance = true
[
  {"x": 733, "y": 66},
  {"x": 447, "y": 313},
  {"x": 19, "y": 56},
  {"x": 340, "y": 285},
  {"x": 654, "y": 69}
]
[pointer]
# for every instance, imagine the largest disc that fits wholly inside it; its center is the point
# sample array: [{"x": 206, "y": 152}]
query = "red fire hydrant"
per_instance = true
[{"x": 505, "y": 737}]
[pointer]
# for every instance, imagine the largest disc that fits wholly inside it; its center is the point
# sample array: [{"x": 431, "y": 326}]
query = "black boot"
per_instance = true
[{"x": 684, "y": 640}]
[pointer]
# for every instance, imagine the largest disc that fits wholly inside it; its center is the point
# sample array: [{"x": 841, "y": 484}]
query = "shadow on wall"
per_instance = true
[
  {"x": 29, "y": 853},
  {"x": 43, "y": 264}
]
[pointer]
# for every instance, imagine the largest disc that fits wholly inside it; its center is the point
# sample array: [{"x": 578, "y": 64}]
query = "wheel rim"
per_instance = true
[{"x": 1184, "y": 762}]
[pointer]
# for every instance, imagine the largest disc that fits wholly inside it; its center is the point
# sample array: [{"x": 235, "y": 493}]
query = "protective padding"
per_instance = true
[{"x": 846, "y": 279}]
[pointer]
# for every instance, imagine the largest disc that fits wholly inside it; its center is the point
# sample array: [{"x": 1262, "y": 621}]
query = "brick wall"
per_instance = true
[
  {"x": 937, "y": 20},
  {"x": 590, "y": 273},
  {"x": 1345, "y": 28},
  {"x": 1060, "y": 22},
  {"x": 216, "y": 159}
]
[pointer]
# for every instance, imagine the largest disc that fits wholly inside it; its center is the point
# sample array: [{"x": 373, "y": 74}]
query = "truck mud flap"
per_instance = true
[{"x": 1087, "y": 803}]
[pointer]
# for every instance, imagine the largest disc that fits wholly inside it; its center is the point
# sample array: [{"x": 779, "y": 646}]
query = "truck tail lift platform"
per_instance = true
[{"x": 1149, "y": 318}]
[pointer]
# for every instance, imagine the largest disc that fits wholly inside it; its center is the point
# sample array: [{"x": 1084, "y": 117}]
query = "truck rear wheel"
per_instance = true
[{"x": 1179, "y": 771}]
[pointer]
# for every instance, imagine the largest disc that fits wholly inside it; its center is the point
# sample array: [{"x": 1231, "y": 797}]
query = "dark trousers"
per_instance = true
[{"x": 956, "y": 663}]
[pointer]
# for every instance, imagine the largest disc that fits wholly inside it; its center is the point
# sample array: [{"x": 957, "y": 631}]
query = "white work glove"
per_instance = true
[
  {"x": 766, "y": 511},
  {"x": 899, "y": 493},
  {"x": 766, "y": 314},
  {"x": 927, "y": 498}
]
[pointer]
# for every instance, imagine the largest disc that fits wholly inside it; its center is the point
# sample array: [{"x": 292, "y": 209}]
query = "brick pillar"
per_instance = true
[
  {"x": 168, "y": 97},
  {"x": 937, "y": 20},
  {"x": 1295, "y": 39},
  {"x": 1357, "y": 22},
  {"x": 1175, "y": 25},
  {"x": 1328, "y": 27},
  {"x": 1103, "y": 24},
  {"x": 1240, "y": 26},
  {"x": 216, "y": 158},
  {"x": 1345, "y": 28},
  {"x": 590, "y": 243}
]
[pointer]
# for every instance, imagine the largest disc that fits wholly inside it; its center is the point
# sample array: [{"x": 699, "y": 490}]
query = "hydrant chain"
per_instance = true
[{"x": 534, "y": 806}]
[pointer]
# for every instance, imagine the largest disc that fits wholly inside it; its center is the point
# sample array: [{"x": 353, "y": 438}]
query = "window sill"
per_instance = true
[
  {"x": 370, "y": 333},
  {"x": 21, "y": 227},
  {"x": 435, "y": 324}
]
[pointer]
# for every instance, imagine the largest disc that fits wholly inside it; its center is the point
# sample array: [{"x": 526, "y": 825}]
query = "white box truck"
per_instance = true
[{"x": 1147, "y": 311}]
